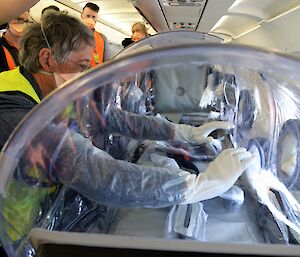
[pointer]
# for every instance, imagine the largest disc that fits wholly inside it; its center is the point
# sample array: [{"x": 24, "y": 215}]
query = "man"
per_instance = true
[
  {"x": 89, "y": 16},
  {"x": 51, "y": 53},
  {"x": 10, "y": 42}
]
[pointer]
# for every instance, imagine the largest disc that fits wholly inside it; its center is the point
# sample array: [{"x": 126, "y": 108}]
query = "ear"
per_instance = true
[{"x": 46, "y": 60}]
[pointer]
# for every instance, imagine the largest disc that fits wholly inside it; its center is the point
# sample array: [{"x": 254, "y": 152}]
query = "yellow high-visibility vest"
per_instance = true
[{"x": 13, "y": 80}]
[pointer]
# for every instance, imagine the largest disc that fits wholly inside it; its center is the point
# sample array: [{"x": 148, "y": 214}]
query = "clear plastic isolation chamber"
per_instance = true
[{"x": 71, "y": 171}]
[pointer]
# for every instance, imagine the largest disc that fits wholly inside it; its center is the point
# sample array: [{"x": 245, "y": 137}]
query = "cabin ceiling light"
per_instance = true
[
  {"x": 219, "y": 22},
  {"x": 248, "y": 31},
  {"x": 237, "y": 2}
]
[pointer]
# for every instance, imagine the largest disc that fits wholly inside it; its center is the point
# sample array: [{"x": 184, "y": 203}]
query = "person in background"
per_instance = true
[
  {"x": 10, "y": 42},
  {"x": 89, "y": 16},
  {"x": 50, "y": 8},
  {"x": 139, "y": 31}
]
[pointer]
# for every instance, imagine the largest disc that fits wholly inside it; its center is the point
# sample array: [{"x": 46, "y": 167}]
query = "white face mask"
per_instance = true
[
  {"x": 61, "y": 78},
  {"x": 17, "y": 28},
  {"x": 89, "y": 22}
]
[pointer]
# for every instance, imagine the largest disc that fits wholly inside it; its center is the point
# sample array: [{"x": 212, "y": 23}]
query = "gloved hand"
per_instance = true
[
  {"x": 289, "y": 165},
  {"x": 199, "y": 135},
  {"x": 289, "y": 156},
  {"x": 220, "y": 175}
]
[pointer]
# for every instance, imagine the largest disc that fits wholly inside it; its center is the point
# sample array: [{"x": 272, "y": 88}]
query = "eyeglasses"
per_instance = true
[
  {"x": 22, "y": 21},
  {"x": 83, "y": 67}
]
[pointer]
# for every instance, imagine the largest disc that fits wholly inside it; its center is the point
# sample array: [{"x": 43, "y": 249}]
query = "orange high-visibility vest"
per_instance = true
[
  {"x": 98, "y": 53},
  {"x": 9, "y": 59}
]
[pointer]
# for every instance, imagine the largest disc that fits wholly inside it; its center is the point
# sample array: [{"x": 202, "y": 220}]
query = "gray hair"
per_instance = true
[{"x": 64, "y": 34}]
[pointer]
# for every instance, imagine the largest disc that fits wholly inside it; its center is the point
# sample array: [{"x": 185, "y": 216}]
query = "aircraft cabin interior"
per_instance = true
[{"x": 271, "y": 24}]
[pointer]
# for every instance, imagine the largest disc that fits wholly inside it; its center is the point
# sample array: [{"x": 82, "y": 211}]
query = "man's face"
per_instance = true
[
  {"x": 17, "y": 25},
  {"x": 77, "y": 62},
  {"x": 89, "y": 17}
]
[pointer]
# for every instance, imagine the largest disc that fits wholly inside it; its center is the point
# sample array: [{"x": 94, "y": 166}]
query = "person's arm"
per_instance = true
[
  {"x": 11, "y": 9},
  {"x": 119, "y": 122},
  {"x": 102, "y": 118},
  {"x": 96, "y": 175},
  {"x": 139, "y": 126},
  {"x": 69, "y": 158}
]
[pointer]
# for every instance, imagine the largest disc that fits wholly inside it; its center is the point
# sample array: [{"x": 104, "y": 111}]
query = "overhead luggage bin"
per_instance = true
[{"x": 61, "y": 196}]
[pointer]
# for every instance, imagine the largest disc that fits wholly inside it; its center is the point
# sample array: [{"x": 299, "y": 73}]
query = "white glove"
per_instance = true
[
  {"x": 220, "y": 175},
  {"x": 289, "y": 159},
  {"x": 199, "y": 135}
]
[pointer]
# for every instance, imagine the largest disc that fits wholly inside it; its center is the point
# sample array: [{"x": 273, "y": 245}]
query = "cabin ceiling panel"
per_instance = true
[
  {"x": 229, "y": 25},
  {"x": 214, "y": 10},
  {"x": 266, "y": 9}
]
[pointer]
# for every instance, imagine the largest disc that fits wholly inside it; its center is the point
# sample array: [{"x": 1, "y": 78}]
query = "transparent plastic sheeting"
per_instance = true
[
  {"x": 169, "y": 38},
  {"x": 91, "y": 151}
]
